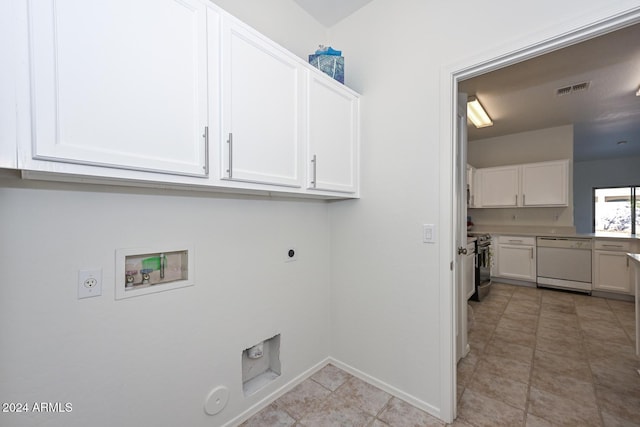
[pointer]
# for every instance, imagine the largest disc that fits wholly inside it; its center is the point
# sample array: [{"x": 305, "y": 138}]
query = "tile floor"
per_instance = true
[{"x": 538, "y": 358}]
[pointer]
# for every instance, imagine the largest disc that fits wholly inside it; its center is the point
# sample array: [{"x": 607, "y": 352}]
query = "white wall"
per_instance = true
[
  {"x": 526, "y": 147},
  {"x": 151, "y": 360},
  {"x": 387, "y": 286},
  {"x": 599, "y": 173}
]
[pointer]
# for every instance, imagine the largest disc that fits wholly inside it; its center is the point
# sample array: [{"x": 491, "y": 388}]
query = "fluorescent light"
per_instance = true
[{"x": 476, "y": 113}]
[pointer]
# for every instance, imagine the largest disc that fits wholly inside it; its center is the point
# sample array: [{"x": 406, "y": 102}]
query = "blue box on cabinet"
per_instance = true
[{"x": 331, "y": 65}]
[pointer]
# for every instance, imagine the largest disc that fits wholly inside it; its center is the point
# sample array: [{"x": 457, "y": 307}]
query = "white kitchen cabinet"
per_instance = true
[
  {"x": 499, "y": 186},
  {"x": 262, "y": 104},
  {"x": 611, "y": 269},
  {"x": 333, "y": 135},
  {"x": 516, "y": 258},
  {"x": 119, "y": 84},
  {"x": 543, "y": 184},
  {"x": 472, "y": 188}
]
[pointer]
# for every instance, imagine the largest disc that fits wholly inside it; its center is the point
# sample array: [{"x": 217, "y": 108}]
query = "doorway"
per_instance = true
[{"x": 449, "y": 102}]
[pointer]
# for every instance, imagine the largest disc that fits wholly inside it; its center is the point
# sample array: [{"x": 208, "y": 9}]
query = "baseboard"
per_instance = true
[
  {"x": 412, "y": 400},
  {"x": 269, "y": 399}
]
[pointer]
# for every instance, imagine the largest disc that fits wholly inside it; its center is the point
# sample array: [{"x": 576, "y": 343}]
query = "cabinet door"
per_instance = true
[
  {"x": 261, "y": 93},
  {"x": 611, "y": 272},
  {"x": 499, "y": 186},
  {"x": 545, "y": 184},
  {"x": 469, "y": 275},
  {"x": 332, "y": 135},
  {"x": 120, "y": 84},
  {"x": 472, "y": 189},
  {"x": 517, "y": 262}
]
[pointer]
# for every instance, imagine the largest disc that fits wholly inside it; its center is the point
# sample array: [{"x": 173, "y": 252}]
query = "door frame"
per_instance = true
[{"x": 561, "y": 35}]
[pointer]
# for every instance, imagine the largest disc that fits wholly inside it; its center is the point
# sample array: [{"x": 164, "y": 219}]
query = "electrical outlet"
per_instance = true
[
  {"x": 291, "y": 255},
  {"x": 89, "y": 283}
]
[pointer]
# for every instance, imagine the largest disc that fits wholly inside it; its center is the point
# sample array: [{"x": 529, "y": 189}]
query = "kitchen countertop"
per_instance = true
[{"x": 546, "y": 232}]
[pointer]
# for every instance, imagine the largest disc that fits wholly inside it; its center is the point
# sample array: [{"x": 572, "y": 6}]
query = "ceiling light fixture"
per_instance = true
[{"x": 477, "y": 114}]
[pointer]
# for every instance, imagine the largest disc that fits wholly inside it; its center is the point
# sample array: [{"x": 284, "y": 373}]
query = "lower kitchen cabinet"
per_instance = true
[
  {"x": 470, "y": 271},
  {"x": 611, "y": 269},
  {"x": 516, "y": 258}
]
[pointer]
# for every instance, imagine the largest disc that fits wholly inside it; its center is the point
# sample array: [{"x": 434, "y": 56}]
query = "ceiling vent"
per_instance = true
[{"x": 578, "y": 87}]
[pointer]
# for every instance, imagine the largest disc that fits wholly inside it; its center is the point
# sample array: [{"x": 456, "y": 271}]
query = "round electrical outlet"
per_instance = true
[{"x": 216, "y": 400}]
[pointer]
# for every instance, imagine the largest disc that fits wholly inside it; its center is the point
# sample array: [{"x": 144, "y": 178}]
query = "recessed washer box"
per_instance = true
[{"x": 142, "y": 271}]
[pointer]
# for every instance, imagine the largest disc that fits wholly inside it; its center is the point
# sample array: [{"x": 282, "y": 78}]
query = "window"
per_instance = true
[{"x": 616, "y": 210}]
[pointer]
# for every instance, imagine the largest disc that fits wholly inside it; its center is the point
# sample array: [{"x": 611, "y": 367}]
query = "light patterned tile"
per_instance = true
[
  {"x": 562, "y": 385},
  {"x": 305, "y": 396},
  {"x": 331, "y": 377},
  {"x": 363, "y": 395},
  {"x": 400, "y": 414},
  {"x": 481, "y": 411},
  {"x": 508, "y": 368},
  {"x": 560, "y": 365},
  {"x": 517, "y": 352},
  {"x": 560, "y": 410},
  {"x": 335, "y": 411},
  {"x": 270, "y": 416},
  {"x": 621, "y": 405},
  {"x": 506, "y": 390}
]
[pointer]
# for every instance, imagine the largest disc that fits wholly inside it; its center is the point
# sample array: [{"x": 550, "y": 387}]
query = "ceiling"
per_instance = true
[
  {"x": 523, "y": 97},
  {"x": 329, "y": 12}
]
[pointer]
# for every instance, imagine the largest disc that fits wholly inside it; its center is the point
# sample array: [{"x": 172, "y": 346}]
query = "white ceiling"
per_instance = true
[
  {"x": 329, "y": 12},
  {"x": 522, "y": 97}
]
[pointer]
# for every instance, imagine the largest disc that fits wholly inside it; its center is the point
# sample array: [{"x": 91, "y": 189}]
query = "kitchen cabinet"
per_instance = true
[
  {"x": 470, "y": 271},
  {"x": 332, "y": 135},
  {"x": 527, "y": 185},
  {"x": 262, "y": 109},
  {"x": 472, "y": 188},
  {"x": 545, "y": 184},
  {"x": 212, "y": 103},
  {"x": 119, "y": 84},
  {"x": 499, "y": 186},
  {"x": 516, "y": 258},
  {"x": 611, "y": 269}
]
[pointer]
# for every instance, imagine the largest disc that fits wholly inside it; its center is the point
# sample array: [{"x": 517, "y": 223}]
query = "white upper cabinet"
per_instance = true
[
  {"x": 261, "y": 102},
  {"x": 545, "y": 184},
  {"x": 120, "y": 84},
  {"x": 528, "y": 185},
  {"x": 333, "y": 135},
  {"x": 499, "y": 186}
]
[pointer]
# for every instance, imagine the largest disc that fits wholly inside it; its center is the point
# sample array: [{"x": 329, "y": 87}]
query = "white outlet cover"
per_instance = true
[
  {"x": 216, "y": 400},
  {"x": 89, "y": 283}
]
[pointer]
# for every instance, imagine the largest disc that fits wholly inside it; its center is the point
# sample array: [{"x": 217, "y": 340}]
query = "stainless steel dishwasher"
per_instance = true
[{"x": 564, "y": 262}]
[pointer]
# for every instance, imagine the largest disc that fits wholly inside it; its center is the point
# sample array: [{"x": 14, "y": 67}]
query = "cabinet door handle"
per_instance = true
[
  {"x": 206, "y": 150},
  {"x": 515, "y": 241},
  {"x": 516, "y": 200},
  {"x": 612, "y": 246},
  {"x": 531, "y": 253},
  {"x": 230, "y": 168},
  {"x": 314, "y": 160},
  {"x": 523, "y": 202}
]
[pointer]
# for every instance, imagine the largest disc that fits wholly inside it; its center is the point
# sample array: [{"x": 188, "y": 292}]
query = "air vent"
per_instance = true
[{"x": 578, "y": 87}]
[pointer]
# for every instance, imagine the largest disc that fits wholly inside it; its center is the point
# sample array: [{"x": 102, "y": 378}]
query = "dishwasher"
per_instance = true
[{"x": 564, "y": 263}]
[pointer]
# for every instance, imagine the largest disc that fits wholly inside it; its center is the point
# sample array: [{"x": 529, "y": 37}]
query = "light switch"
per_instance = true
[{"x": 429, "y": 233}]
